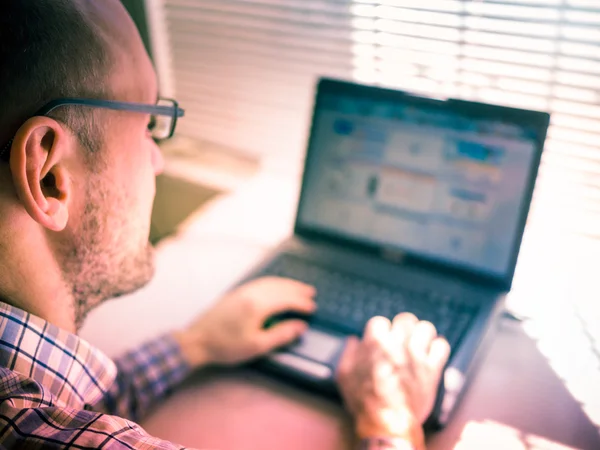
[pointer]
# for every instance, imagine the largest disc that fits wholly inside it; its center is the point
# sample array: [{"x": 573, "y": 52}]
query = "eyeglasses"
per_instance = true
[{"x": 163, "y": 115}]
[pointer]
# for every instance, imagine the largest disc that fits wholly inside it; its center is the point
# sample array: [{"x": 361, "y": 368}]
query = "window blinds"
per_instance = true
[{"x": 245, "y": 71}]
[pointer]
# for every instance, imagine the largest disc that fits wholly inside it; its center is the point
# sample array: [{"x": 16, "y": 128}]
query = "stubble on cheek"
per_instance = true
[{"x": 106, "y": 256}]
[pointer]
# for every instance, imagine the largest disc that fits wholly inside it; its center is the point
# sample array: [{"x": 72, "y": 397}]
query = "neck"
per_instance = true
[{"x": 31, "y": 280}]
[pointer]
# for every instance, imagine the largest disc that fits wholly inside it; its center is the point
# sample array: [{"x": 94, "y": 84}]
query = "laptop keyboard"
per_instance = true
[{"x": 348, "y": 301}]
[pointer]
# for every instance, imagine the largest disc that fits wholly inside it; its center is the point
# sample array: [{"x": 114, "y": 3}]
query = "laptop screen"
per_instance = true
[{"x": 419, "y": 178}]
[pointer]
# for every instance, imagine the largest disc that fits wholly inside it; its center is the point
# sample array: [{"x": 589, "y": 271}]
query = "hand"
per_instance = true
[
  {"x": 231, "y": 332},
  {"x": 389, "y": 380}
]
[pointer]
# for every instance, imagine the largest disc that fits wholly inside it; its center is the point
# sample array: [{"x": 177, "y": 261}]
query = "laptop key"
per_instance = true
[
  {"x": 457, "y": 328},
  {"x": 352, "y": 301}
]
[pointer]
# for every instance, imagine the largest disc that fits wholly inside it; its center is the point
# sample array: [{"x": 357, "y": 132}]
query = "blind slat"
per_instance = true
[
  {"x": 245, "y": 70},
  {"x": 383, "y": 20}
]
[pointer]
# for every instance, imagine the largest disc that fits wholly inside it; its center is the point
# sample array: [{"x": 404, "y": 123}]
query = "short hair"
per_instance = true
[{"x": 49, "y": 49}]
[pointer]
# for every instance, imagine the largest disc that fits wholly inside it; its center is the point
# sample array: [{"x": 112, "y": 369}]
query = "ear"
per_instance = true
[{"x": 39, "y": 171}]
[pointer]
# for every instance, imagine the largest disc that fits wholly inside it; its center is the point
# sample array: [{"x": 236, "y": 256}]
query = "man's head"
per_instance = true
[{"x": 76, "y": 196}]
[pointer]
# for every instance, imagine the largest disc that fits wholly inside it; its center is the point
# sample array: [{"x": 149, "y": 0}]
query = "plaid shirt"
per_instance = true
[{"x": 57, "y": 391}]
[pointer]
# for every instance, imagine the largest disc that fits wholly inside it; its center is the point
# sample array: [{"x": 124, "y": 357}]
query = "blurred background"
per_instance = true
[{"x": 245, "y": 71}]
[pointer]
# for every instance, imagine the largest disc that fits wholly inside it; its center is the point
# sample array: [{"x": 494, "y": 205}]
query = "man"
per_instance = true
[{"x": 78, "y": 115}]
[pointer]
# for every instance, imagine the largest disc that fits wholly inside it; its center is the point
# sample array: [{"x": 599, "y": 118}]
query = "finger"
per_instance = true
[
  {"x": 421, "y": 338},
  {"x": 290, "y": 302},
  {"x": 348, "y": 358},
  {"x": 402, "y": 327},
  {"x": 275, "y": 295},
  {"x": 288, "y": 284},
  {"x": 404, "y": 318},
  {"x": 377, "y": 329},
  {"x": 305, "y": 289},
  {"x": 284, "y": 333},
  {"x": 439, "y": 352}
]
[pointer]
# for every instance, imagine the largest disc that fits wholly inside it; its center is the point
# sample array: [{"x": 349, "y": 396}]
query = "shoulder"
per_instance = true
[{"x": 19, "y": 391}]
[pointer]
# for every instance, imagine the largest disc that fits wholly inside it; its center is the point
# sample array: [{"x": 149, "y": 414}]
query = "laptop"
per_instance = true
[{"x": 409, "y": 204}]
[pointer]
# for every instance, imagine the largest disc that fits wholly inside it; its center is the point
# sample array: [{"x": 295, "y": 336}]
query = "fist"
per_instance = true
[
  {"x": 232, "y": 331},
  {"x": 389, "y": 379}
]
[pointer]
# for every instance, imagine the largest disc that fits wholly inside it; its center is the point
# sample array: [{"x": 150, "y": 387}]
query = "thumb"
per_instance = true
[
  {"x": 283, "y": 333},
  {"x": 346, "y": 362}
]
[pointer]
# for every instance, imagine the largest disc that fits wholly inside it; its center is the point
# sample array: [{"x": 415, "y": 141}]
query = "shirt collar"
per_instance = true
[{"x": 75, "y": 372}]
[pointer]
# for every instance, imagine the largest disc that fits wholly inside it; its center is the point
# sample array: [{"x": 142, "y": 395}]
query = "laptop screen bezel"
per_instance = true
[{"x": 536, "y": 120}]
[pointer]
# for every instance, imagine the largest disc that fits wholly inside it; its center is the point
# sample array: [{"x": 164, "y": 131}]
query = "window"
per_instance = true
[{"x": 245, "y": 72}]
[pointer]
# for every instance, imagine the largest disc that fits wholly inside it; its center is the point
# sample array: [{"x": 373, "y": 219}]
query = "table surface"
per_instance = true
[{"x": 522, "y": 395}]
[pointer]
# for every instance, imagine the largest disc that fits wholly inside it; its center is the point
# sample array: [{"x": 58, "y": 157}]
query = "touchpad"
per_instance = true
[{"x": 318, "y": 346}]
